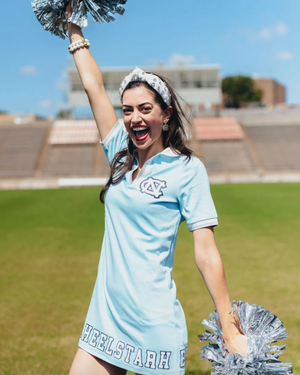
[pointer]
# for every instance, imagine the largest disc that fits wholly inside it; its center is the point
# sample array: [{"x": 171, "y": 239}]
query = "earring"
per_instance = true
[{"x": 165, "y": 127}]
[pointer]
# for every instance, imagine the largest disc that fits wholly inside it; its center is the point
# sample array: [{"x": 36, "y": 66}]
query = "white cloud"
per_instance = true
[
  {"x": 204, "y": 59},
  {"x": 270, "y": 32},
  {"x": 28, "y": 70},
  {"x": 46, "y": 104},
  {"x": 281, "y": 28},
  {"x": 178, "y": 58},
  {"x": 227, "y": 37},
  {"x": 62, "y": 85},
  {"x": 63, "y": 82},
  {"x": 284, "y": 55},
  {"x": 265, "y": 33}
]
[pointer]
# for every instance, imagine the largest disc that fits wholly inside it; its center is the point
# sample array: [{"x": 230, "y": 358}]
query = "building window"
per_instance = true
[
  {"x": 184, "y": 80},
  {"x": 77, "y": 87},
  {"x": 212, "y": 84},
  {"x": 184, "y": 84}
]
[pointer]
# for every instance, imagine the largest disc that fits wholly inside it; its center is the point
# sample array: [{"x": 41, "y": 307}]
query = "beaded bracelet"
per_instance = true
[{"x": 84, "y": 43}]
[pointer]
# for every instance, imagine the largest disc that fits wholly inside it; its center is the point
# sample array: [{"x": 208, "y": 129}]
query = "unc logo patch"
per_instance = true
[{"x": 153, "y": 187}]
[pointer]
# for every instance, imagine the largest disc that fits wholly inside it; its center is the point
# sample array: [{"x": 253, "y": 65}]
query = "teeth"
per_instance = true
[{"x": 137, "y": 129}]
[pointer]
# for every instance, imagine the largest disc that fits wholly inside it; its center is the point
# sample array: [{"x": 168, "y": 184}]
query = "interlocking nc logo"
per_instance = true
[{"x": 153, "y": 187}]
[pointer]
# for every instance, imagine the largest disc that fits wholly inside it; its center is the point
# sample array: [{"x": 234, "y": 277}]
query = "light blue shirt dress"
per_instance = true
[{"x": 135, "y": 320}]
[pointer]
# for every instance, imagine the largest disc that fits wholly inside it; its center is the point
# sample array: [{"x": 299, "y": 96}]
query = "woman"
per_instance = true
[{"x": 135, "y": 321}]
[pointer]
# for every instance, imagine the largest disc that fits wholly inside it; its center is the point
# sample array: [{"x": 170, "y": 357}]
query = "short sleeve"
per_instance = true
[
  {"x": 195, "y": 200},
  {"x": 115, "y": 140}
]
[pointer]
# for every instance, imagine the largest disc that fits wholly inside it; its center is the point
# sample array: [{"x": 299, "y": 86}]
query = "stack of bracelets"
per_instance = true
[{"x": 83, "y": 43}]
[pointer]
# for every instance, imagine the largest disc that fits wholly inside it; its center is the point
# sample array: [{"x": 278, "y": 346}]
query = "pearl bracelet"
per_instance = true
[{"x": 84, "y": 43}]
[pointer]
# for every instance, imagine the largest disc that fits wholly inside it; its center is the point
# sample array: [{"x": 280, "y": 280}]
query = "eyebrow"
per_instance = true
[{"x": 140, "y": 105}]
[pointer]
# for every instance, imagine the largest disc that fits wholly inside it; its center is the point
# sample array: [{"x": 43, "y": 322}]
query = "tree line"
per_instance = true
[{"x": 239, "y": 90}]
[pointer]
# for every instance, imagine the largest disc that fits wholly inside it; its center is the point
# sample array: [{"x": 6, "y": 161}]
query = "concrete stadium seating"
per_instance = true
[
  {"x": 70, "y": 160},
  {"x": 102, "y": 166},
  {"x": 20, "y": 148},
  {"x": 230, "y": 156},
  {"x": 217, "y": 128},
  {"x": 222, "y": 144},
  {"x": 278, "y": 146},
  {"x": 73, "y": 150}
]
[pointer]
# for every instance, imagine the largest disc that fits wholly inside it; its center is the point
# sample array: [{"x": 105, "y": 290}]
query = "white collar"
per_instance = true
[{"x": 167, "y": 152}]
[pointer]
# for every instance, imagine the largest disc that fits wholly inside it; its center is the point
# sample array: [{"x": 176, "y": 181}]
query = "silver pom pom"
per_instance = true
[
  {"x": 262, "y": 329},
  {"x": 51, "y": 13}
]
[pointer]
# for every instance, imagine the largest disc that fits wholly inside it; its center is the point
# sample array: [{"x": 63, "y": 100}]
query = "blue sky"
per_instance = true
[{"x": 258, "y": 37}]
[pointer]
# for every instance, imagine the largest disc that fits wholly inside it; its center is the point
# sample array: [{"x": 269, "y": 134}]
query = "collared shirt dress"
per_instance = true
[{"x": 135, "y": 320}]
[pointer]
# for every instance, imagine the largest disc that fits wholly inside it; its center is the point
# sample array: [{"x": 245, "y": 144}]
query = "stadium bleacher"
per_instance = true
[
  {"x": 226, "y": 156},
  {"x": 257, "y": 148},
  {"x": 72, "y": 146},
  {"x": 278, "y": 146},
  {"x": 70, "y": 160},
  {"x": 20, "y": 148},
  {"x": 223, "y": 148},
  {"x": 217, "y": 128}
]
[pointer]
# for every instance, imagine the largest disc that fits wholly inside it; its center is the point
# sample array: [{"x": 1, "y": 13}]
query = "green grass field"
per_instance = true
[{"x": 49, "y": 250}]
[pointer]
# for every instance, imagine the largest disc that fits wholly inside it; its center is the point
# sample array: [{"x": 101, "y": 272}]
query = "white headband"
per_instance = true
[{"x": 154, "y": 81}]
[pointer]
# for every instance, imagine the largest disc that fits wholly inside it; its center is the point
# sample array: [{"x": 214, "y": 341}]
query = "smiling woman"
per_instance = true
[
  {"x": 151, "y": 122},
  {"x": 135, "y": 321}
]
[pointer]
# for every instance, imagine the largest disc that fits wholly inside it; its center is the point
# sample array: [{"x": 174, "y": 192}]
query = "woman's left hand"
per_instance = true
[{"x": 237, "y": 344}]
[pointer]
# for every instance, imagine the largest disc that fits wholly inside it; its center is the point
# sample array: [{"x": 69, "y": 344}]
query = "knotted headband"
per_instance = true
[{"x": 153, "y": 80}]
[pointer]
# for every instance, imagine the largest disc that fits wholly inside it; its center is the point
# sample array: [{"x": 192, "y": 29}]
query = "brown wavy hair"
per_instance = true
[{"x": 175, "y": 137}]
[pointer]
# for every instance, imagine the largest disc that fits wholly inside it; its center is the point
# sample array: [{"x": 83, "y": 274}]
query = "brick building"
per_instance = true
[{"x": 273, "y": 92}]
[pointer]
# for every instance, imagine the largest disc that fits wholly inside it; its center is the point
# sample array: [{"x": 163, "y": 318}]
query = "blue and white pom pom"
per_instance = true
[
  {"x": 262, "y": 329},
  {"x": 51, "y": 13}
]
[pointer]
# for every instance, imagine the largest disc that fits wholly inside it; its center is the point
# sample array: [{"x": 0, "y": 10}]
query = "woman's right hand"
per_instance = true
[{"x": 69, "y": 10}]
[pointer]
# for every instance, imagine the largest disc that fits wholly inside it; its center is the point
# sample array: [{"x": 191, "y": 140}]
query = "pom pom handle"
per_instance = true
[
  {"x": 262, "y": 328},
  {"x": 51, "y": 13}
]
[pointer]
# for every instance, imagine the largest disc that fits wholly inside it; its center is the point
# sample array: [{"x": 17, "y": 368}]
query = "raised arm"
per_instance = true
[
  {"x": 210, "y": 265},
  {"x": 93, "y": 84}
]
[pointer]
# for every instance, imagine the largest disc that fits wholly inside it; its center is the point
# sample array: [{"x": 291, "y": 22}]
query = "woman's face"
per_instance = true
[{"x": 144, "y": 118}]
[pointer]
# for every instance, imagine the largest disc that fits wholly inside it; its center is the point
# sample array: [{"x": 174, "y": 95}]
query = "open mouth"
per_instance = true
[{"x": 140, "y": 132}]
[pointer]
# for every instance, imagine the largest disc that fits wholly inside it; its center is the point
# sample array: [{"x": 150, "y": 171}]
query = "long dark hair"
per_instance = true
[{"x": 175, "y": 137}]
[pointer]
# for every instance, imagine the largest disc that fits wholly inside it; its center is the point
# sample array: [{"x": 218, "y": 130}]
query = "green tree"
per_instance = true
[
  {"x": 64, "y": 114},
  {"x": 238, "y": 90}
]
